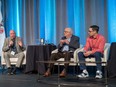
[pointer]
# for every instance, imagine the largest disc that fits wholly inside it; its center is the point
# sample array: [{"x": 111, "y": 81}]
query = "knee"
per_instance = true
[
  {"x": 53, "y": 55},
  {"x": 22, "y": 54},
  {"x": 67, "y": 53},
  {"x": 97, "y": 54},
  {"x": 5, "y": 54},
  {"x": 80, "y": 54}
]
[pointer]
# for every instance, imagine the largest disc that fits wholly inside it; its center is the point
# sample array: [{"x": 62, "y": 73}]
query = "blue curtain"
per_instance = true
[
  {"x": 13, "y": 18},
  {"x": 35, "y": 19},
  {"x": 111, "y": 6}
]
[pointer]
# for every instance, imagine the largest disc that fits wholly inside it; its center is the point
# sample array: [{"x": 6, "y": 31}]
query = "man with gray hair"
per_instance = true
[
  {"x": 13, "y": 47},
  {"x": 66, "y": 47}
]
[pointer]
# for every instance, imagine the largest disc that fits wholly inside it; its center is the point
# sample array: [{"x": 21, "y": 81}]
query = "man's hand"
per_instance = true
[
  {"x": 11, "y": 43},
  {"x": 87, "y": 53},
  {"x": 20, "y": 43},
  {"x": 61, "y": 41},
  {"x": 64, "y": 41}
]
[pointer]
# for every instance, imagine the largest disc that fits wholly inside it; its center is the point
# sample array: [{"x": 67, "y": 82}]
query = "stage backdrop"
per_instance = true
[{"x": 34, "y": 19}]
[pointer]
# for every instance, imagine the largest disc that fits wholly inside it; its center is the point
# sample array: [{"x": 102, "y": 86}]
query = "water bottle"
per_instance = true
[{"x": 42, "y": 41}]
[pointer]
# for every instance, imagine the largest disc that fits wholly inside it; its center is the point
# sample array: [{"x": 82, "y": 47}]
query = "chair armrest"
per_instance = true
[
  {"x": 24, "y": 53},
  {"x": 106, "y": 52},
  {"x": 24, "y": 60},
  {"x": 76, "y": 53},
  {"x": 54, "y": 51}
]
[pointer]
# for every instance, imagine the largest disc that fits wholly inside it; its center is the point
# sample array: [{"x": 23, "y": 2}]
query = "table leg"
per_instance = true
[
  {"x": 38, "y": 77},
  {"x": 58, "y": 75},
  {"x": 106, "y": 78}
]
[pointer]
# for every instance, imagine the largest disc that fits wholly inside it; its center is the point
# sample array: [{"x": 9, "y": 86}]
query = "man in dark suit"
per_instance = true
[
  {"x": 13, "y": 47},
  {"x": 68, "y": 44}
]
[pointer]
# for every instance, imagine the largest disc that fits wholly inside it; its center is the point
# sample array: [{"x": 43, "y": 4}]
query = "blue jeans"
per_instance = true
[{"x": 97, "y": 56}]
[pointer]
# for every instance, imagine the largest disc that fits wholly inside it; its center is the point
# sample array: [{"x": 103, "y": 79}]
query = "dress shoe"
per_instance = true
[
  {"x": 63, "y": 74},
  {"x": 47, "y": 74},
  {"x": 14, "y": 71},
  {"x": 9, "y": 71}
]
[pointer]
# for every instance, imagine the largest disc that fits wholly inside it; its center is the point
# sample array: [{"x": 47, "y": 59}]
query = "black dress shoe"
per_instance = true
[
  {"x": 14, "y": 71},
  {"x": 9, "y": 71}
]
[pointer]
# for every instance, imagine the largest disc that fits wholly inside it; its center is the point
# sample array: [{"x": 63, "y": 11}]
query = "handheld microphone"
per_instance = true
[{"x": 13, "y": 41}]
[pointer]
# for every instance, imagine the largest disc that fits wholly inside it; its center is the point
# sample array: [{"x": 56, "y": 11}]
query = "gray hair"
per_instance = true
[{"x": 70, "y": 30}]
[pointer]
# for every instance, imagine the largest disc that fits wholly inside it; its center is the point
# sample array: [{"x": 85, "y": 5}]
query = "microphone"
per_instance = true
[{"x": 13, "y": 41}]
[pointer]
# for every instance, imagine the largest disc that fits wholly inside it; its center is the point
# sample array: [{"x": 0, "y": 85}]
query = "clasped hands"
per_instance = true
[
  {"x": 64, "y": 41},
  {"x": 87, "y": 53}
]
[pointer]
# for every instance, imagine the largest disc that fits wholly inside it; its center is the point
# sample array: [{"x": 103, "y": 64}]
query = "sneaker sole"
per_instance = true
[{"x": 82, "y": 76}]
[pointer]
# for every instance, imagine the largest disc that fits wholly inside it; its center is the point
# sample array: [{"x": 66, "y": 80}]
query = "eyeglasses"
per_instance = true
[
  {"x": 90, "y": 31},
  {"x": 66, "y": 31}
]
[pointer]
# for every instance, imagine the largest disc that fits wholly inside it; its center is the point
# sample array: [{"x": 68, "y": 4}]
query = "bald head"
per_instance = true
[{"x": 12, "y": 34}]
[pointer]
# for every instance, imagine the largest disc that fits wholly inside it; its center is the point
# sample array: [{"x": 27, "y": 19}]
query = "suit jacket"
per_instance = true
[
  {"x": 6, "y": 47},
  {"x": 73, "y": 44}
]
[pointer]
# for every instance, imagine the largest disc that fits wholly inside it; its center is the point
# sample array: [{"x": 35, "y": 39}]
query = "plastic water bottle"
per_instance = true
[{"x": 42, "y": 41}]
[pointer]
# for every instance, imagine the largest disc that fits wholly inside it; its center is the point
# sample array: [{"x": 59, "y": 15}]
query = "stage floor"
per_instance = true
[{"x": 31, "y": 80}]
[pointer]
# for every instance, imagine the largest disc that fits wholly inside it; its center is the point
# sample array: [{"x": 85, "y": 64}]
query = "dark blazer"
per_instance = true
[{"x": 73, "y": 45}]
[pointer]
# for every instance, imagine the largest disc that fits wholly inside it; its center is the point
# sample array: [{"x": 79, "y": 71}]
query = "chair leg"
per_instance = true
[
  {"x": 74, "y": 70},
  {"x": 106, "y": 75},
  {"x": 77, "y": 69}
]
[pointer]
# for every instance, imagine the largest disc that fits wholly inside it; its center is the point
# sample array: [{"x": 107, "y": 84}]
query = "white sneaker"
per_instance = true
[
  {"x": 98, "y": 74},
  {"x": 84, "y": 74}
]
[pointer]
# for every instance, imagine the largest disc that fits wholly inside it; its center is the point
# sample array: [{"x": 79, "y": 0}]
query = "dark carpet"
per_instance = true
[{"x": 35, "y": 80}]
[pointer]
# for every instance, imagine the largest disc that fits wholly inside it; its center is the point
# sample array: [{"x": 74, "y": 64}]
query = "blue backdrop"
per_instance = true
[{"x": 33, "y": 19}]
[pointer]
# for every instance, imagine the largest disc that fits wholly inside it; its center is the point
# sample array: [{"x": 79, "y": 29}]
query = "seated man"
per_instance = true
[
  {"x": 94, "y": 48},
  {"x": 66, "y": 47},
  {"x": 13, "y": 47}
]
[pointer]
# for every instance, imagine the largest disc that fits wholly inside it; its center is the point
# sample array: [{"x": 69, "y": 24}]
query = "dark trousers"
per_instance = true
[
  {"x": 55, "y": 56},
  {"x": 97, "y": 56}
]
